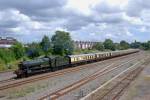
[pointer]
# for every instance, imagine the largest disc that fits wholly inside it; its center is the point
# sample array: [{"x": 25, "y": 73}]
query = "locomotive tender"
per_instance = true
[{"x": 50, "y": 64}]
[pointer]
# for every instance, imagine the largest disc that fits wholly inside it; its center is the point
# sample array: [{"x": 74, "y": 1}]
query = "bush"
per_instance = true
[
  {"x": 18, "y": 50},
  {"x": 2, "y": 65},
  {"x": 7, "y": 55}
]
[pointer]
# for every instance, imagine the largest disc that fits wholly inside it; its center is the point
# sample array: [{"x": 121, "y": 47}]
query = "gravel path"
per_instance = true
[{"x": 7, "y": 75}]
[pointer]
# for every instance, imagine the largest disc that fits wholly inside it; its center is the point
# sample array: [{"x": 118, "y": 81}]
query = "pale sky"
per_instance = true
[{"x": 87, "y": 20}]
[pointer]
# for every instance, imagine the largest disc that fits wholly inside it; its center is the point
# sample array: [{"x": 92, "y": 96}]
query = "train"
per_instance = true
[{"x": 54, "y": 63}]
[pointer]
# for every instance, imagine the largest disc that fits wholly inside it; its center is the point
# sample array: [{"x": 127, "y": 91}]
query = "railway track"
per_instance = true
[
  {"x": 57, "y": 94},
  {"x": 118, "y": 89},
  {"x": 115, "y": 87},
  {"x": 42, "y": 77},
  {"x": 115, "y": 92}
]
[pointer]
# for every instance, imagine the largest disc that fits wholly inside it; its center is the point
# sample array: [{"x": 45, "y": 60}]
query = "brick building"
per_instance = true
[
  {"x": 7, "y": 42},
  {"x": 84, "y": 44}
]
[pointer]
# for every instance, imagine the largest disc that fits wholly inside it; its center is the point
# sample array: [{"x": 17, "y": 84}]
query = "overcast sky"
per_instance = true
[{"x": 92, "y": 20}]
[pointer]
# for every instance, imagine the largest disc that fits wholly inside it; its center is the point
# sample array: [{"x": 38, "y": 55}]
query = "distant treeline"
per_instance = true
[
  {"x": 110, "y": 45},
  {"x": 59, "y": 44}
]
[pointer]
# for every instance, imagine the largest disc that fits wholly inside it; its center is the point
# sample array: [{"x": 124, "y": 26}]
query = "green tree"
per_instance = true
[
  {"x": 124, "y": 45},
  {"x": 108, "y": 44},
  {"x": 117, "y": 46},
  {"x": 146, "y": 45},
  {"x": 62, "y": 43},
  {"x": 18, "y": 50},
  {"x": 98, "y": 46},
  {"x": 135, "y": 44},
  {"x": 46, "y": 45},
  {"x": 33, "y": 50}
]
